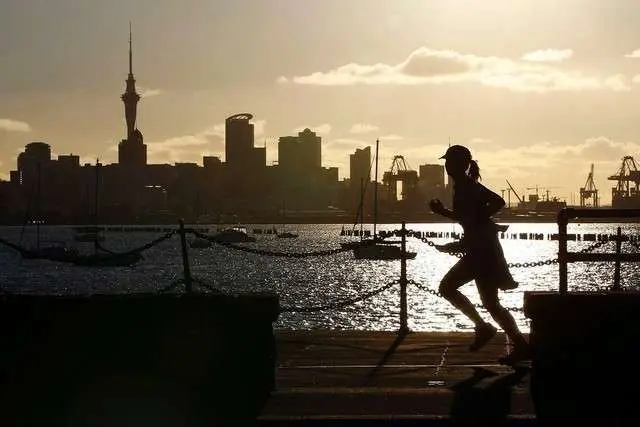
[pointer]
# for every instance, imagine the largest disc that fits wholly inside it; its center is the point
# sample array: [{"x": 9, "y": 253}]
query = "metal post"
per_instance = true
[
  {"x": 403, "y": 281},
  {"x": 185, "y": 258},
  {"x": 616, "y": 273},
  {"x": 562, "y": 250}
]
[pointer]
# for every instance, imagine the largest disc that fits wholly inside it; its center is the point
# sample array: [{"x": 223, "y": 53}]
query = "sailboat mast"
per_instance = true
[
  {"x": 38, "y": 208},
  {"x": 375, "y": 193},
  {"x": 95, "y": 207},
  {"x": 361, "y": 205}
]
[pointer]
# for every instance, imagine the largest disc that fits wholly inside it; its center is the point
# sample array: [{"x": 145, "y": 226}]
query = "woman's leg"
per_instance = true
[
  {"x": 489, "y": 297},
  {"x": 457, "y": 276}
]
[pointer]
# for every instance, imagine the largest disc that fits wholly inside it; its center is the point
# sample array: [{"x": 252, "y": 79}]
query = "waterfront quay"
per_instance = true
[
  {"x": 197, "y": 356},
  {"x": 386, "y": 378}
]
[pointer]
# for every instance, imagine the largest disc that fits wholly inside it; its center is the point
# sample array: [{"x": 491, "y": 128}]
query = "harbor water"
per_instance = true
[{"x": 315, "y": 281}]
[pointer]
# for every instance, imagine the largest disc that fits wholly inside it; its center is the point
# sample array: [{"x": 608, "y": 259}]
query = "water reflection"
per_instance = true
[{"x": 320, "y": 280}]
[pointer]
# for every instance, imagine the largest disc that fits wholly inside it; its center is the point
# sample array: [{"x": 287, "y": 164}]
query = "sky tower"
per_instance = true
[{"x": 130, "y": 97}]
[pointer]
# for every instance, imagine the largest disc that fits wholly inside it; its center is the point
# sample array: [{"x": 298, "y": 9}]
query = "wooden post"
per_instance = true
[
  {"x": 185, "y": 258},
  {"x": 403, "y": 281},
  {"x": 616, "y": 273}
]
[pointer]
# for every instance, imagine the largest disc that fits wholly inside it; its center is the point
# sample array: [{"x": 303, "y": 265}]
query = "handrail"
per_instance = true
[{"x": 564, "y": 256}]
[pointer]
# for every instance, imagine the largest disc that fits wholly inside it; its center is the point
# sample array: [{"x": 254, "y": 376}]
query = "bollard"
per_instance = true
[
  {"x": 616, "y": 272},
  {"x": 403, "y": 281},
  {"x": 185, "y": 258}
]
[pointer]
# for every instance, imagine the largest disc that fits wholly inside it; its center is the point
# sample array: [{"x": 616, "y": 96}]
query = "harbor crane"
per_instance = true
[
  {"x": 589, "y": 191},
  {"x": 520, "y": 200},
  {"x": 624, "y": 195},
  {"x": 400, "y": 172}
]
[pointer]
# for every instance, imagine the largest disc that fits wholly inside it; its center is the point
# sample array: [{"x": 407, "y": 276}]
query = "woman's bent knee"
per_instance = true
[{"x": 448, "y": 287}]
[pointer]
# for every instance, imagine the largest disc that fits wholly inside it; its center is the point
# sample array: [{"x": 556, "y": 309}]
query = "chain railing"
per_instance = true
[
  {"x": 427, "y": 290},
  {"x": 217, "y": 241},
  {"x": 551, "y": 261},
  {"x": 456, "y": 249},
  {"x": 339, "y": 304}
]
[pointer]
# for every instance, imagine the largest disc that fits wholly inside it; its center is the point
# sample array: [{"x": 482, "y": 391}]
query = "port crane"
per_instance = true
[
  {"x": 400, "y": 172},
  {"x": 625, "y": 195},
  {"x": 514, "y": 192},
  {"x": 589, "y": 191}
]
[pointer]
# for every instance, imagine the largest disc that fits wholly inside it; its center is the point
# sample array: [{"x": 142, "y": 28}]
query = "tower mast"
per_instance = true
[{"x": 130, "y": 97}]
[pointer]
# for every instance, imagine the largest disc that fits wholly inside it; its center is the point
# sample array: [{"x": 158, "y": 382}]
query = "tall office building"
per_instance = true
[
  {"x": 432, "y": 175},
  {"x": 360, "y": 167}
]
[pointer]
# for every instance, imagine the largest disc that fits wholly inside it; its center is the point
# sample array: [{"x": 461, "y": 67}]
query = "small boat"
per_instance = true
[
  {"x": 381, "y": 251},
  {"x": 285, "y": 234},
  {"x": 237, "y": 234},
  {"x": 55, "y": 252}
]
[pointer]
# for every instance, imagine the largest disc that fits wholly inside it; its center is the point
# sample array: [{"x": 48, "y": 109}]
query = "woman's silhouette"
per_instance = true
[{"x": 483, "y": 260}]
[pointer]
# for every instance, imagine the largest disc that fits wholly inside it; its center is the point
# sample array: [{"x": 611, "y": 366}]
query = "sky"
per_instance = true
[{"x": 537, "y": 89}]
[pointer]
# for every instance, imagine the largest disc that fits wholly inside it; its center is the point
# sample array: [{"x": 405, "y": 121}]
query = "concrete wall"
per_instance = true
[
  {"x": 586, "y": 354},
  {"x": 135, "y": 360}
]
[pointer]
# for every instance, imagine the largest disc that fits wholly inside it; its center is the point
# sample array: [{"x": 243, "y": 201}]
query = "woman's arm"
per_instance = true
[
  {"x": 437, "y": 207},
  {"x": 492, "y": 202}
]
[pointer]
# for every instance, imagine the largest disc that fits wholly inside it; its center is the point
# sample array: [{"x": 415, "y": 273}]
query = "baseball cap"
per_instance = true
[{"x": 459, "y": 151}]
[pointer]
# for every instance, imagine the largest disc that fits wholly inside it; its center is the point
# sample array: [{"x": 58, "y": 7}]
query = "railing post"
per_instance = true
[
  {"x": 185, "y": 258},
  {"x": 403, "y": 280},
  {"x": 616, "y": 273},
  {"x": 563, "y": 219}
]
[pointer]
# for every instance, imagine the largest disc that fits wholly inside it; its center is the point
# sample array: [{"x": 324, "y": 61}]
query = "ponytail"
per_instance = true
[{"x": 474, "y": 170}]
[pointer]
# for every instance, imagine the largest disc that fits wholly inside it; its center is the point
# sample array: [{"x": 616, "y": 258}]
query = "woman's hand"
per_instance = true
[{"x": 436, "y": 206}]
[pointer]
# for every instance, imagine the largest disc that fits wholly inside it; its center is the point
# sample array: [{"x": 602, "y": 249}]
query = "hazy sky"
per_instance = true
[{"x": 537, "y": 89}]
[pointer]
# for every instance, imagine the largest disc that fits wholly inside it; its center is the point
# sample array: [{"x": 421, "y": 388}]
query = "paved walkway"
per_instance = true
[{"x": 333, "y": 375}]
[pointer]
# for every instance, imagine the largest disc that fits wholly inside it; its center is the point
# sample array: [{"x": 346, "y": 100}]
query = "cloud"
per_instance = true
[
  {"x": 478, "y": 140},
  {"x": 192, "y": 147},
  {"x": 148, "y": 93},
  {"x": 548, "y": 55},
  {"x": 322, "y": 129},
  {"x": 391, "y": 137},
  {"x": 11, "y": 125},
  {"x": 360, "y": 128},
  {"x": 188, "y": 147},
  {"x": 635, "y": 54},
  {"x": 636, "y": 79},
  {"x": 426, "y": 66},
  {"x": 618, "y": 83}
]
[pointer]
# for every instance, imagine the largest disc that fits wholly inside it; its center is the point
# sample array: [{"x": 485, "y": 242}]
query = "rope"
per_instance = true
[{"x": 340, "y": 304}]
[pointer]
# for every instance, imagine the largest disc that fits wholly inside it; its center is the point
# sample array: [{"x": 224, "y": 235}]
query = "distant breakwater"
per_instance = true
[{"x": 257, "y": 229}]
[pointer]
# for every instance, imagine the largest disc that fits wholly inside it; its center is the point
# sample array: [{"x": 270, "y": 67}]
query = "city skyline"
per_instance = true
[{"x": 538, "y": 94}]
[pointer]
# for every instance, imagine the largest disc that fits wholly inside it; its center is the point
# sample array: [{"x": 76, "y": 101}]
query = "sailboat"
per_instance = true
[
  {"x": 376, "y": 248},
  {"x": 55, "y": 252},
  {"x": 286, "y": 234},
  {"x": 359, "y": 219},
  {"x": 104, "y": 258}
]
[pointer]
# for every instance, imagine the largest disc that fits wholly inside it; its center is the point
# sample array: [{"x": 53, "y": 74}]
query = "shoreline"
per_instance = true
[{"x": 319, "y": 220}]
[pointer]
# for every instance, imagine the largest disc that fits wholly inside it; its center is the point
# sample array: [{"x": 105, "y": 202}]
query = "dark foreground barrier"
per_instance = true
[
  {"x": 586, "y": 365},
  {"x": 169, "y": 360}
]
